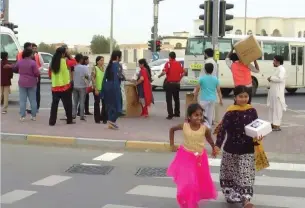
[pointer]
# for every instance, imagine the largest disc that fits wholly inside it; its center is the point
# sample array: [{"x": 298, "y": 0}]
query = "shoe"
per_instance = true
[
  {"x": 33, "y": 118},
  {"x": 72, "y": 122},
  {"x": 169, "y": 117},
  {"x": 4, "y": 112},
  {"x": 112, "y": 125},
  {"x": 83, "y": 119},
  {"x": 177, "y": 115},
  {"x": 88, "y": 114},
  {"x": 22, "y": 119}
]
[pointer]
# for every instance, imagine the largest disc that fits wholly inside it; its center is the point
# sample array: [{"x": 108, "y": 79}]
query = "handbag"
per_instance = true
[{"x": 261, "y": 160}]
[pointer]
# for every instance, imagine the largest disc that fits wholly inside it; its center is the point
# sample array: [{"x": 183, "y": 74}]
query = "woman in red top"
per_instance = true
[
  {"x": 144, "y": 86},
  {"x": 6, "y": 76}
]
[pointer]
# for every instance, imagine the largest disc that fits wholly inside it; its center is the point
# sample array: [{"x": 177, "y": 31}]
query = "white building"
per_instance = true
[{"x": 266, "y": 26}]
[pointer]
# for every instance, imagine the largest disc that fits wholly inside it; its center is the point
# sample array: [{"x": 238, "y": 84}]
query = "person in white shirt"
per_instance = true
[{"x": 276, "y": 95}]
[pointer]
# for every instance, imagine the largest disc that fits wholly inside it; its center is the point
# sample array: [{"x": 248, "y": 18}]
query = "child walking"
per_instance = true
[{"x": 190, "y": 168}]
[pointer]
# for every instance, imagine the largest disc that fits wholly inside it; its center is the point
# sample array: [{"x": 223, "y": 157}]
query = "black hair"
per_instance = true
[
  {"x": 34, "y": 45},
  {"x": 239, "y": 90},
  {"x": 114, "y": 56},
  {"x": 85, "y": 58},
  {"x": 4, "y": 55},
  {"x": 209, "y": 67},
  {"x": 27, "y": 52},
  {"x": 172, "y": 55},
  {"x": 193, "y": 108},
  {"x": 27, "y": 45},
  {"x": 209, "y": 52},
  {"x": 234, "y": 57},
  {"x": 279, "y": 58},
  {"x": 144, "y": 62},
  {"x": 79, "y": 58},
  {"x": 98, "y": 58},
  {"x": 55, "y": 63}
]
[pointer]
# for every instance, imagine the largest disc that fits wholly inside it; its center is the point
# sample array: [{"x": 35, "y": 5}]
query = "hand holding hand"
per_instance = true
[{"x": 215, "y": 152}]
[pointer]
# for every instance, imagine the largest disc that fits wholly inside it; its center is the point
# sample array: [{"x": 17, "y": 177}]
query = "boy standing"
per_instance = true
[{"x": 6, "y": 76}]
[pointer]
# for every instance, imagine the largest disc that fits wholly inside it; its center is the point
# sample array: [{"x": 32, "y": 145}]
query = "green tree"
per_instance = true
[
  {"x": 43, "y": 47},
  {"x": 100, "y": 44}
]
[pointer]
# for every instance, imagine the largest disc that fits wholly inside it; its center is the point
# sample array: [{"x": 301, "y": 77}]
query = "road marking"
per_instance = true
[
  {"x": 273, "y": 165},
  {"x": 108, "y": 156},
  {"x": 258, "y": 199},
  {"x": 15, "y": 195},
  {"x": 299, "y": 116},
  {"x": 90, "y": 164},
  {"x": 266, "y": 181},
  {"x": 118, "y": 206},
  {"x": 51, "y": 180}
]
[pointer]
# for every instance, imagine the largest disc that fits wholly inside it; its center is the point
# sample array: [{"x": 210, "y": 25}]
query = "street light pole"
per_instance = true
[
  {"x": 111, "y": 28},
  {"x": 6, "y": 10},
  {"x": 156, "y": 18},
  {"x": 245, "y": 24}
]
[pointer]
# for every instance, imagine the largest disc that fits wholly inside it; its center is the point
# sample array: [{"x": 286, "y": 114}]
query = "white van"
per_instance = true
[{"x": 10, "y": 44}]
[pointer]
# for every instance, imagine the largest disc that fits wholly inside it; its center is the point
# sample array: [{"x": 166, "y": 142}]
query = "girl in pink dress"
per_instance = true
[{"x": 190, "y": 168}]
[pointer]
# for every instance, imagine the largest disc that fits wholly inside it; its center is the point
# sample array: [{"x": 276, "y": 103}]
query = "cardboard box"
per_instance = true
[
  {"x": 248, "y": 50},
  {"x": 258, "y": 128},
  {"x": 133, "y": 106}
]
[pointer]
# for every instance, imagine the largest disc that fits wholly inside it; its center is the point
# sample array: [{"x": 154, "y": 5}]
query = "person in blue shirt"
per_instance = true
[{"x": 208, "y": 87}]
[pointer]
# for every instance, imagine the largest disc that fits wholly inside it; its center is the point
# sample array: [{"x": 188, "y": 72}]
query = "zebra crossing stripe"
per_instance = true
[
  {"x": 273, "y": 165},
  {"x": 258, "y": 199},
  {"x": 15, "y": 195}
]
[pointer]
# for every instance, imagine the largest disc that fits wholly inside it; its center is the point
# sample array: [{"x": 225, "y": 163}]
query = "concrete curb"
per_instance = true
[{"x": 85, "y": 142}]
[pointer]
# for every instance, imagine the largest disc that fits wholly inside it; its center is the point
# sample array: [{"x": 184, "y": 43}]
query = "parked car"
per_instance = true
[{"x": 47, "y": 58}]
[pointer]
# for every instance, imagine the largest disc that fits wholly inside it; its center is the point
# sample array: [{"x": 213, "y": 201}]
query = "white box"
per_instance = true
[{"x": 258, "y": 128}]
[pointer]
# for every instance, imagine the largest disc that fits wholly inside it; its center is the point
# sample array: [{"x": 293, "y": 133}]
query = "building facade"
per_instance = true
[{"x": 264, "y": 26}]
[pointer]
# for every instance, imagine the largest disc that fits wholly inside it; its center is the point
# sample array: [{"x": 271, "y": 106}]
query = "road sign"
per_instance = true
[{"x": 155, "y": 56}]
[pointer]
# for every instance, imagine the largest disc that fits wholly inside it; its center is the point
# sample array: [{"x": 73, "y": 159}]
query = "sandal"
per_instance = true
[{"x": 248, "y": 205}]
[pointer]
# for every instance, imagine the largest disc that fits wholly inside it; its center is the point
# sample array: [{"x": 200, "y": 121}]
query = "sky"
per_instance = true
[{"x": 76, "y": 21}]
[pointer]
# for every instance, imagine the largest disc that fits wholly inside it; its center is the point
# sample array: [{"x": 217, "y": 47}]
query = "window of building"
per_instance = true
[
  {"x": 276, "y": 33},
  {"x": 299, "y": 34},
  {"x": 8, "y": 45},
  {"x": 263, "y": 32},
  {"x": 238, "y": 32},
  {"x": 178, "y": 46},
  {"x": 270, "y": 49},
  {"x": 166, "y": 43}
]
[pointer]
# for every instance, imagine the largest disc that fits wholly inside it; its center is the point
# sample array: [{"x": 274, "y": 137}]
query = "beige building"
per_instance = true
[{"x": 266, "y": 26}]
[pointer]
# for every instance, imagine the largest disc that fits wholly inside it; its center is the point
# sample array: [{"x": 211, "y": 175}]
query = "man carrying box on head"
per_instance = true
[{"x": 241, "y": 73}]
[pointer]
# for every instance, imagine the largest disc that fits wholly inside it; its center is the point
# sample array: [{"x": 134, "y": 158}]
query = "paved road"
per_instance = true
[
  {"x": 35, "y": 177},
  {"x": 294, "y": 101}
]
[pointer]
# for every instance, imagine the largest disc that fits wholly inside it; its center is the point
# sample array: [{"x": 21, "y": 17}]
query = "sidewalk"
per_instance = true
[{"x": 152, "y": 129}]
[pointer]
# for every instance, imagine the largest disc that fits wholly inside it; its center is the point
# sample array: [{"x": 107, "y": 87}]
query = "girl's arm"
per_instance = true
[
  {"x": 221, "y": 135},
  {"x": 140, "y": 80},
  {"x": 172, "y": 134},
  {"x": 209, "y": 138}
]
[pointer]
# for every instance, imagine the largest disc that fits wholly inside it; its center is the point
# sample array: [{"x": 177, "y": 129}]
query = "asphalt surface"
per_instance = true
[
  {"x": 294, "y": 101},
  {"x": 36, "y": 177}
]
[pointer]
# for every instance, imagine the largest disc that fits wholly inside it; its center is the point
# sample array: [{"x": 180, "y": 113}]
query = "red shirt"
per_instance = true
[
  {"x": 6, "y": 74},
  {"x": 173, "y": 70}
]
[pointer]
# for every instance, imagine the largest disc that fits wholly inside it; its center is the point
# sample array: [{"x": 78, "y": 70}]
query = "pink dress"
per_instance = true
[{"x": 190, "y": 170}]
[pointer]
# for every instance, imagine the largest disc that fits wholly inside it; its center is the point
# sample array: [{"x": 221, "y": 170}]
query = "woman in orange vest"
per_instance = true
[{"x": 242, "y": 73}]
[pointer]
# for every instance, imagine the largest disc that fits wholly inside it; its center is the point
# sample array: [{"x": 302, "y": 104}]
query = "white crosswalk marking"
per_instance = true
[
  {"x": 108, "y": 156},
  {"x": 258, "y": 199},
  {"x": 118, "y": 206},
  {"x": 51, "y": 180},
  {"x": 15, "y": 195}
]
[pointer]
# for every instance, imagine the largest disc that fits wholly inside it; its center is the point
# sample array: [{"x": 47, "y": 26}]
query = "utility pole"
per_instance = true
[
  {"x": 6, "y": 10},
  {"x": 245, "y": 24},
  {"x": 156, "y": 20},
  {"x": 111, "y": 28},
  {"x": 215, "y": 34}
]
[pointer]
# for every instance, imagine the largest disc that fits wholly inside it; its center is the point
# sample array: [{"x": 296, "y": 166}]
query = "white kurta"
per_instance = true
[{"x": 276, "y": 96}]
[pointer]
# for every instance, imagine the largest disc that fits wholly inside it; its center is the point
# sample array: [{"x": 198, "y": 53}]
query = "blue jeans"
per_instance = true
[{"x": 24, "y": 94}]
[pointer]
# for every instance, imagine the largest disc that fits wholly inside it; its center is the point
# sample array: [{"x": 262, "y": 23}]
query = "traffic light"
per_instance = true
[
  {"x": 207, "y": 18},
  {"x": 158, "y": 45},
  {"x": 12, "y": 26},
  {"x": 223, "y": 17},
  {"x": 150, "y": 45}
]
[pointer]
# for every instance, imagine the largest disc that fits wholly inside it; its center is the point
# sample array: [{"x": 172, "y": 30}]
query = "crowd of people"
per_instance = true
[{"x": 72, "y": 83}]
